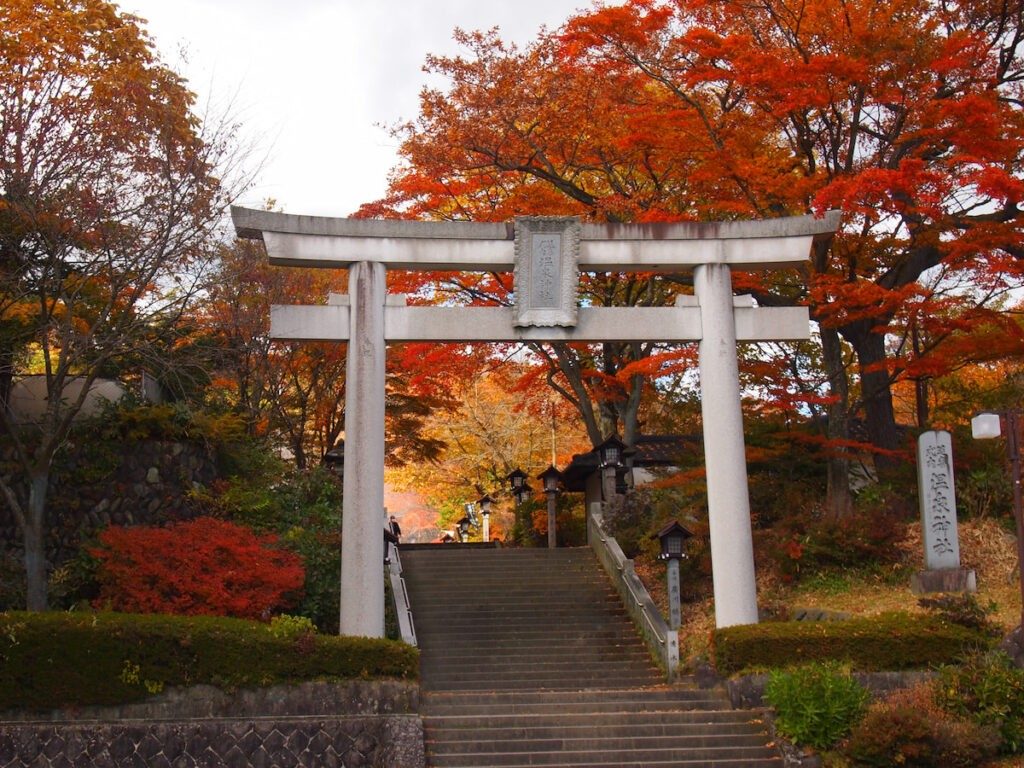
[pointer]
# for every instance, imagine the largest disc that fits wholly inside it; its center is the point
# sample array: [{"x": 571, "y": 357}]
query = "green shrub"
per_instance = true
[
  {"x": 909, "y": 729},
  {"x": 50, "y": 660},
  {"x": 130, "y": 420},
  {"x": 289, "y": 627},
  {"x": 889, "y": 641},
  {"x": 963, "y": 609},
  {"x": 816, "y": 704},
  {"x": 12, "y": 581},
  {"x": 985, "y": 490},
  {"x": 75, "y": 583},
  {"x": 988, "y": 688}
]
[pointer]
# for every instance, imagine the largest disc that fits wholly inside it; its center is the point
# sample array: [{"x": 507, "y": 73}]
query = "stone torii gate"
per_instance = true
[{"x": 546, "y": 255}]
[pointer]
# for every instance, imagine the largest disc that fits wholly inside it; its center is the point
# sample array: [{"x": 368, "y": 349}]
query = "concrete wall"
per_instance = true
[{"x": 355, "y": 724}]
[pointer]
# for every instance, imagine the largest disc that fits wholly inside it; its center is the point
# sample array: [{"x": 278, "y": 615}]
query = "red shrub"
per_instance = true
[{"x": 204, "y": 566}]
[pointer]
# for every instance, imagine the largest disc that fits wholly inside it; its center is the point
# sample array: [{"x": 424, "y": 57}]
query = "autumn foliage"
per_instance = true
[
  {"x": 905, "y": 115},
  {"x": 111, "y": 195},
  {"x": 204, "y": 566}
]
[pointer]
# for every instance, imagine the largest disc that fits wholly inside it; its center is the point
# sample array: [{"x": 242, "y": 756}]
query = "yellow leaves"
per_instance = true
[{"x": 19, "y": 312}]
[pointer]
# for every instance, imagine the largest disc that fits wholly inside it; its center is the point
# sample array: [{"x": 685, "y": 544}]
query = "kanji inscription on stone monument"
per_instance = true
[{"x": 938, "y": 502}]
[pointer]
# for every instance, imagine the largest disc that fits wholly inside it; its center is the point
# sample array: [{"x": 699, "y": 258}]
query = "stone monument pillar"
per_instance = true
[
  {"x": 362, "y": 530},
  {"x": 732, "y": 547},
  {"x": 942, "y": 571}
]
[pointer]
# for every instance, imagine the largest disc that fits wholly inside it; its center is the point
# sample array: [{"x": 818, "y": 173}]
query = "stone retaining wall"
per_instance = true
[
  {"x": 97, "y": 485},
  {"x": 355, "y": 725}
]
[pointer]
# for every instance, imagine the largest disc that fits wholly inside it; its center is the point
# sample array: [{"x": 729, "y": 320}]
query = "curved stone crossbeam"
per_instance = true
[{"x": 319, "y": 241}]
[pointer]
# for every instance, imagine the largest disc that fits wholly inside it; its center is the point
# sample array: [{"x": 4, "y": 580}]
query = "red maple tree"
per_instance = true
[{"x": 203, "y": 566}]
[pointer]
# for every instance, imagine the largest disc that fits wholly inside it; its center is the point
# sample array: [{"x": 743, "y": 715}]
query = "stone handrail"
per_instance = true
[
  {"x": 663, "y": 642},
  {"x": 401, "y": 597}
]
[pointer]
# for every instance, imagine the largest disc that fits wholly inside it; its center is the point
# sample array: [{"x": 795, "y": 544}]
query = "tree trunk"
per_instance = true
[
  {"x": 33, "y": 538},
  {"x": 631, "y": 411},
  {"x": 920, "y": 385},
  {"x": 876, "y": 391},
  {"x": 839, "y": 502},
  {"x": 6, "y": 379}
]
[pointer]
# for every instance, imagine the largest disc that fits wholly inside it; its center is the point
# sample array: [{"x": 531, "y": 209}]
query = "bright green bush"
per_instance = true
[
  {"x": 50, "y": 660},
  {"x": 303, "y": 508},
  {"x": 290, "y": 627},
  {"x": 816, "y": 704},
  {"x": 909, "y": 729},
  {"x": 989, "y": 689},
  {"x": 890, "y": 641}
]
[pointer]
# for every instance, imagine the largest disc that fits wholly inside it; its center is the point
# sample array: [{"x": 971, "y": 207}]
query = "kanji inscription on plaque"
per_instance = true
[{"x": 546, "y": 273}]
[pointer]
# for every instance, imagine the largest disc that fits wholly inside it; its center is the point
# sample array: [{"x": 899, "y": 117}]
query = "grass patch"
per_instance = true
[{"x": 53, "y": 660}]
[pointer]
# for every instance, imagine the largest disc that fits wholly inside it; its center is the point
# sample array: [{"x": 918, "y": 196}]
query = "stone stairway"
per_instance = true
[{"x": 528, "y": 658}]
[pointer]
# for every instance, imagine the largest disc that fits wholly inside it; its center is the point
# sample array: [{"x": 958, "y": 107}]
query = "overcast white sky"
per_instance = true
[{"x": 314, "y": 81}]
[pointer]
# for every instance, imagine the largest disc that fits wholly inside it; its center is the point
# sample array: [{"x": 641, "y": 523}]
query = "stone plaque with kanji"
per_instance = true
[
  {"x": 938, "y": 501},
  {"x": 546, "y": 273}
]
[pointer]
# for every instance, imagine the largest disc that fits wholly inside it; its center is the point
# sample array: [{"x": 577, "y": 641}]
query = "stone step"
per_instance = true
[
  {"x": 514, "y": 613},
  {"x": 529, "y": 658},
  {"x": 540, "y": 665},
  {"x": 609, "y": 625},
  {"x": 710, "y": 704},
  {"x": 448, "y": 595},
  {"x": 515, "y": 679},
  {"x": 514, "y": 658},
  {"x": 472, "y": 645},
  {"x": 708, "y": 734},
  {"x": 579, "y": 632},
  {"x": 572, "y": 684},
  {"x": 731, "y": 733},
  {"x": 681, "y": 689},
  {"x": 618, "y": 763},
  {"x": 475, "y": 640},
  {"x": 477, "y": 548},
  {"x": 724, "y": 719},
  {"x": 490, "y": 566},
  {"x": 457, "y": 591},
  {"x": 432, "y": 703},
  {"x": 506, "y": 742},
  {"x": 663, "y": 756}
]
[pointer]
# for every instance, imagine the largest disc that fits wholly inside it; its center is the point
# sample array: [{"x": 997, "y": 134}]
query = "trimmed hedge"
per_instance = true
[
  {"x": 890, "y": 641},
  {"x": 52, "y": 660}
]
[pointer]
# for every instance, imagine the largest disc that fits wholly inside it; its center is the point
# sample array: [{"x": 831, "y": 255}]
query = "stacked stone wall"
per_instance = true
[
  {"x": 97, "y": 485},
  {"x": 354, "y": 725}
]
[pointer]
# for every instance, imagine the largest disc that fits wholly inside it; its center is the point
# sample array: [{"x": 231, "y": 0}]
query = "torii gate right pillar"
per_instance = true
[{"x": 732, "y": 550}]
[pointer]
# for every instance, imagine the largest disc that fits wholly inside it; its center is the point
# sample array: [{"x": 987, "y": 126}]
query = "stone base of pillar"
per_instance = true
[{"x": 946, "y": 580}]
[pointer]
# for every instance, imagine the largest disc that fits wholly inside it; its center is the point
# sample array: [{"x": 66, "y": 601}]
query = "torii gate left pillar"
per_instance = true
[{"x": 362, "y": 540}]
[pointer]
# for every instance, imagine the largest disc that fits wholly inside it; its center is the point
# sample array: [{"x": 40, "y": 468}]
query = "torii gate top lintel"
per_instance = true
[{"x": 321, "y": 241}]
